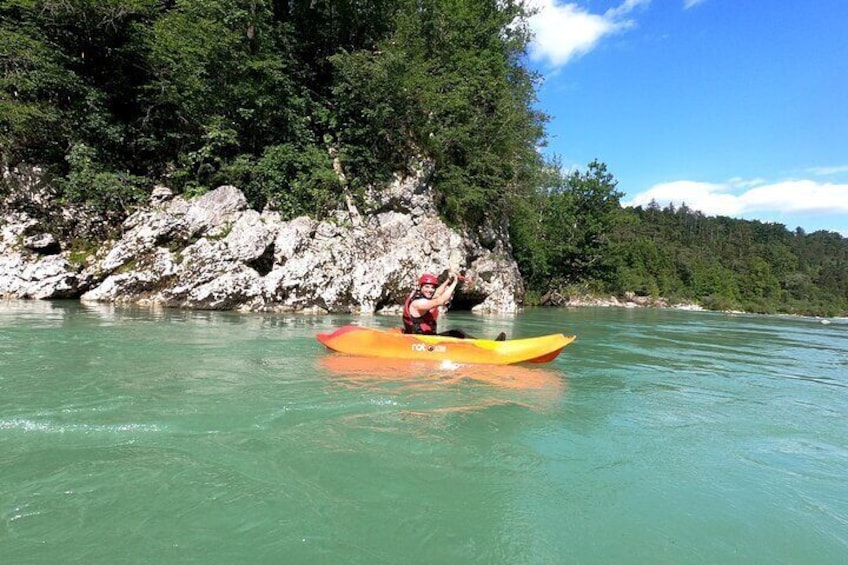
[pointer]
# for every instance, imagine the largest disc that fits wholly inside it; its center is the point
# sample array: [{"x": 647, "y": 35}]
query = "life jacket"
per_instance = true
[{"x": 425, "y": 324}]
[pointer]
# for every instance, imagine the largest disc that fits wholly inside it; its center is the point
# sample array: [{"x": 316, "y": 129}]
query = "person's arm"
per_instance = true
[
  {"x": 440, "y": 296},
  {"x": 451, "y": 282}
]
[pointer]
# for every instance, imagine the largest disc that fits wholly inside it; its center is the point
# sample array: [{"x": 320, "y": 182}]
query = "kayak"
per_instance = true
[{"x": 369, "y": 342}]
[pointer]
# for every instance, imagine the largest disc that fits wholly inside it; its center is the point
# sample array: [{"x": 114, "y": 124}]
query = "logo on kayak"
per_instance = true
[{"x": 423, "y": 348}]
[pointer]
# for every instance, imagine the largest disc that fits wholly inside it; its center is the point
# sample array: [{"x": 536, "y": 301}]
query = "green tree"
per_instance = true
[
  {"x": 447, "y": 85},
  {"x": 570, "y": 217}
]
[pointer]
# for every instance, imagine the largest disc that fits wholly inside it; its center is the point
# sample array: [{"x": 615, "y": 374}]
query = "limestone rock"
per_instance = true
[
  {"x": 213, "y": 252},
  {"x": 44, "y": 243}
]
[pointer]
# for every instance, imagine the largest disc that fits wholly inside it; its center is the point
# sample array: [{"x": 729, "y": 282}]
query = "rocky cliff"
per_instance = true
[{"x": 213, "y": 252}]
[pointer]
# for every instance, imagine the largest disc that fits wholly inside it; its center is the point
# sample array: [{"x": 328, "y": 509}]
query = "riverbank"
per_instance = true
[
  {"x": 631, "y": 300},
  {"x": 558, "y": 299}
]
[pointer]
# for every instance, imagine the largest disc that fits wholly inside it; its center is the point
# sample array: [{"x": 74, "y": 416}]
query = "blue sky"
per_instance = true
[{"x": 735, "y": 107}]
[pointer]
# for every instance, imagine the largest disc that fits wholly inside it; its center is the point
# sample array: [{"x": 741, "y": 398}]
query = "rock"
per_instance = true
[
  {"x": 160, "y": 195},
  {"x": 411, "y": 195},
  {"x": 214, "y": 212},
  {"x": 250, "y": 237},
  {"x": 49, "y": 277},
  {"x": 213, "y": 252},
  {"x": 44, "y": 243},
  {"x": 142, "y": 281}
]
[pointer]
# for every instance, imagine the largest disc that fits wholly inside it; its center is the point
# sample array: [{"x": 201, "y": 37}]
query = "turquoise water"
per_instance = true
[{"x": 130, "y": 435}]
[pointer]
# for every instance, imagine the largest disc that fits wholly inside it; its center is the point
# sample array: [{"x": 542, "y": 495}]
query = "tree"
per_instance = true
[
  {"x": 725, "y": 263},
  {"x": 447, "y": 85},
  {"x": 574, "y": 214}
]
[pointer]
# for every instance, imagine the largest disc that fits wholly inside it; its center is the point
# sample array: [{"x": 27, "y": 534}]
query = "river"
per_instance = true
[{"x": 138, "y": 435}]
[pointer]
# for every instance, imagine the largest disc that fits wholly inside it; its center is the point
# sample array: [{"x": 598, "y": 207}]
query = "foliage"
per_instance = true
[
  {"x": 729, "y": 264},
  {"x": 259, "y": 93},
  {"x": 573, "y": 236},
  {"x": 294, "y": 181},
  {"x": 560, "y": 234},
  {"x": 102, "y": 191},
  {"x": 447, "y": 85},
  {"x": 80, "y": 251}
]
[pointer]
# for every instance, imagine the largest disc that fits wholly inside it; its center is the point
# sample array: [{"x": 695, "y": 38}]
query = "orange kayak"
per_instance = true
[{"x": 368, "y": 342}]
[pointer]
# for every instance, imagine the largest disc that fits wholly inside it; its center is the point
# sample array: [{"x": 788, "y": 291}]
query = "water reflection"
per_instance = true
[{"x": 535, "y": 387}]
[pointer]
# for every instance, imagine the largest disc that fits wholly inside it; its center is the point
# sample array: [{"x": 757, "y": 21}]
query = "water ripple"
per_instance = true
[{"x": 26, "y": 425}]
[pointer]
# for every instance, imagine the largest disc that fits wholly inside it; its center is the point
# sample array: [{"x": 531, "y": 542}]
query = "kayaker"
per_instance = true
[{"x": 421, "y": 309}]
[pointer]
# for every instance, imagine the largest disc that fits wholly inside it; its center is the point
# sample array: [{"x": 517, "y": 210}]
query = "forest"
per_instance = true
[{"x": 304, "y": 104}]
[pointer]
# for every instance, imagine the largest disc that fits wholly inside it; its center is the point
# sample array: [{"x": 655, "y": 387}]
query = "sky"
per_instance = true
[{"x": 734, "y": 107}]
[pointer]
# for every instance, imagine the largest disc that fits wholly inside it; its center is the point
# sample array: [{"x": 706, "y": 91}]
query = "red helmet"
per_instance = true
[{"x": 427, "y": 278}]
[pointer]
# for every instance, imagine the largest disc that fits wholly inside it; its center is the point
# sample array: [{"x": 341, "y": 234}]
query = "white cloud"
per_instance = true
[
  {"x": 740, "y": 183},
  {"x": 563, "y": 32},
  {"x": 785, "y": 197},
  {"x": 625, "y": 8},
  {"x": 827, "y": 171},
  {"x": 795, "y": 196},
  {"x": 709, "y": 198},
  {"x": 691, "y": 3}
]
